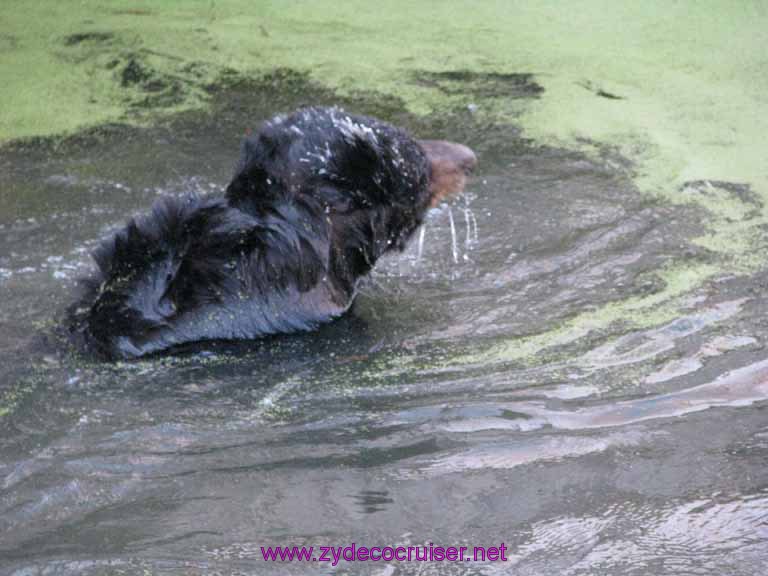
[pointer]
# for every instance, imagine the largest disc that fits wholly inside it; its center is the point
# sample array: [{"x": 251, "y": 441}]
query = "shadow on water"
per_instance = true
[{"x": 448, "y": 407}]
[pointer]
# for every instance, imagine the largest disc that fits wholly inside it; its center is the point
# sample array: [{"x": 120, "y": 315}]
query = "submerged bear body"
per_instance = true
[{"x": 316, "y": 199}]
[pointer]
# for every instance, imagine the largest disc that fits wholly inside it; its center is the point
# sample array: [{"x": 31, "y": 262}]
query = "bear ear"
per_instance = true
[
  {"x": 252, "y": 183},
  {"x": 249, "y": 186},
  {"x": 357, "y": 163},
  {"x": 261, "y": 148}
]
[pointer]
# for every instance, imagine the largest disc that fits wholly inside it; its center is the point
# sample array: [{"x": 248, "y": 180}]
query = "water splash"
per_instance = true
[
  {"x": 454, "y": 237},
  {"x": 422, "y": 233}
]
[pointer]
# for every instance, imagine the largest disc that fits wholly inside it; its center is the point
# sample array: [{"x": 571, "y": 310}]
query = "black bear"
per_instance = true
[{"x": 317, "y": 198}]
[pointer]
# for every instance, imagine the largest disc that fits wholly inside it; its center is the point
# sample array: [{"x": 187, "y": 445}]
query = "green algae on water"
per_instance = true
[{"x": 676, "y": 88}]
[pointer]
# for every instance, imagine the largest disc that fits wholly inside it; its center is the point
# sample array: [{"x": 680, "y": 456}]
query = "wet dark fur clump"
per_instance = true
[{"x": 316, "y": 199}]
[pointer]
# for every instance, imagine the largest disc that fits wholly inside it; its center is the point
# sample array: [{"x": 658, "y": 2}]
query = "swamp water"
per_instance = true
[{"x": 554, "y": 365}]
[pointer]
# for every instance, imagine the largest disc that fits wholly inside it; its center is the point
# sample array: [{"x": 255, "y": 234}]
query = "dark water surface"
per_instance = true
[{"x": 467, "y": 400}]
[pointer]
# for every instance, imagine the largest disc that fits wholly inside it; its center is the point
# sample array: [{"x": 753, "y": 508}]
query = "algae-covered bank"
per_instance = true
[{"x": 570, "y": 360}]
